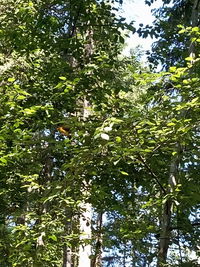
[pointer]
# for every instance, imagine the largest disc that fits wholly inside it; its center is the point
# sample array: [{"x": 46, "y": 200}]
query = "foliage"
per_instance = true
[
  {"x": 60, "y": 68},
  {"x": 170, "y": 47}
]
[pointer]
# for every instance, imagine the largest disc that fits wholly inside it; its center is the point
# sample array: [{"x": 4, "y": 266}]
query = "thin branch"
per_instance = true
[{"x": 152, "y": 173}]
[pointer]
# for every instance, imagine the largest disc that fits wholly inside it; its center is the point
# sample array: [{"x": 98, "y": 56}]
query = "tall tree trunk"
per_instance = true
[
  {"x": 97, "y": 259},
  {"x": 86, "y": 216},
  {"x": 194, "y": 22},
  {"x": 85, "y": 236},
  {"x": 67, "y": 251},
  {"x": 195, "y": 13},
  {"x": 67, "y": 257},
  {"x": 165, "y": 222},
  {"x": 172, "y": 181},
  {"x": 82, "y": 256}
]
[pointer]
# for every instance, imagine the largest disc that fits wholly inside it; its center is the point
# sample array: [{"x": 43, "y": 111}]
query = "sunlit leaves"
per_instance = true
[
  {"x": 50, "y": 73},
  {"x": 105, "y": 136}
]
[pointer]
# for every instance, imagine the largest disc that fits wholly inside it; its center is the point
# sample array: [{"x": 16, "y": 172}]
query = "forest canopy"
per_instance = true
[{"x": 99, "y": 152}]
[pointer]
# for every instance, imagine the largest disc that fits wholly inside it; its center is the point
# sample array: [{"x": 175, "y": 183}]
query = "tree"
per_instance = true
[
  {"x": 47, "y": 74},
  {"x": 170, "y": 47},
  {"x": 83, "y": 128},
  {"x": 171, "y": 14}
]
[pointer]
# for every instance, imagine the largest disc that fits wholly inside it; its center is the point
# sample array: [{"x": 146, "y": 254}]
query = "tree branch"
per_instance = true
[{"x": 152, "y": 173}]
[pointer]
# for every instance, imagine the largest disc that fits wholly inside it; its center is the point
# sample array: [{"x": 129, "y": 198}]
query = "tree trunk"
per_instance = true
[
  {"x": 85, "y": 236},
  {"x": 86, "y": 216},
  {"x": 195, "y": 13},
  {"x": 67, "y": 251},
  {"x": 165, "y": 222},
  {"x": 97, "y": 259},
  {"x": 168, "y": 206},
  {"x": 67, "y": 261},
  {"x": 194, "y": 22}
]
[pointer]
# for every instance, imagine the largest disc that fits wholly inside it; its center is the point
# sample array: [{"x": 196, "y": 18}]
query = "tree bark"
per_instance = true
[
  {"x": 172, "y": 181},
  {"x": 165, "y": 222},
  {"x": 194, "y": 22},
  {"x": 85, "y": 236},
  {"x": 97, "y": 259},
  {"x": 67, "y": 257},
  {"x": 67, "y": 251},
  {"x": 86, "y": 216}
]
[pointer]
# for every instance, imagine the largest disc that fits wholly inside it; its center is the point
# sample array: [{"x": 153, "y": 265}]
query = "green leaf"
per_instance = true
[
  {"x": 62, "y": 78},
  {"x": 189, "y": 58},
  {"x": 30, "y": 4},
  {"x": 53, "y": 237},
  {"x": 195, "y": 29},
  {"x": 172, "y": 69},
  {"x": 3, "y": 160},
  {"x": 171, "y": 124},
  {"x": 21, "y": 97},
  {"x": 121, "y": 39},
  {"x": 11, "y": 80},
  {"x": 124, "y": 173},
  {"x": 118, "y": 139}
]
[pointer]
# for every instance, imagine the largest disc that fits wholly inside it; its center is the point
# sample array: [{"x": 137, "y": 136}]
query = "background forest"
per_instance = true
[{"x": 99, "y": 154}]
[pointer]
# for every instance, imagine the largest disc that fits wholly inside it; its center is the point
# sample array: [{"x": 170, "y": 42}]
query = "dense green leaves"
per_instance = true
[{"x": 124, "y": 126}]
